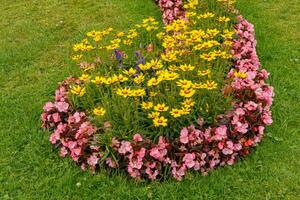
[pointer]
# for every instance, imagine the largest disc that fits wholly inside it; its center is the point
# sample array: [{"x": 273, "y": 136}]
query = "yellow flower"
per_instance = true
[
  {"x": 153, "y": 115},
  {"x": 210, "y": 85},
  {"x": 144, "y": 67},
  {"x": 156, "y": 64},
  {"x": 78, "y": 90},
  {"x": 188, "y": 103},
  {"x": 206, "y": 15},
  {"x": 98, "y": 80},
  {"x": 147, "y": 105},
  {"x": 108, "y": 81},
  {"x": 185, "y": 111},
  {"x": 84, "y": 77},
  {"x": 138, "y": 80},
  {"x": 130, "y": 71},
  {"x": 160, "y": 121},
  {"x": 138, "y": 93},
  {"x": 223, "y": 19},
  {"x": 184, "y": 83},
  {"x": 208, "y": 57},
  {"x": 161, "y": 107},
  {"x": 187, "y": 93},
  {"x": 204, "y": 72},
  {"x": 119, "y": 78},
  {"x": 186, "y": 67},
  {"x": 153, "y": 82},
  {"x": 171, "y": 76},
  {"x": 124, "y": 92},
  {"x": 176, "y": 113},
  {"x": 99, "y": 111},
  {"x": 120, "y": 34}
]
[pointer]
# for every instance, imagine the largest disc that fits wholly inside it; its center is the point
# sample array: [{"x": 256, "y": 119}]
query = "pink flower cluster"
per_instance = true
[
  {"x": 71, "y": 132},
  {"x": 172, "y": 10},
  {"x": 197, "y": 148}
]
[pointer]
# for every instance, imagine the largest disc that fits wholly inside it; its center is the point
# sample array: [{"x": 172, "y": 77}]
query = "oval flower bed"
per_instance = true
[{"x": 162, "y": 99}]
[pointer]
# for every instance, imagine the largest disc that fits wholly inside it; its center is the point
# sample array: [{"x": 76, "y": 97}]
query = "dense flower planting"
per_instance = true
[{"x": 198, "y": 146}]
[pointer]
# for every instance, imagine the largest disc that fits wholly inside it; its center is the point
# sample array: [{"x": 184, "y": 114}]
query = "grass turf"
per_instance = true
[{"x": 35, "y": 39}]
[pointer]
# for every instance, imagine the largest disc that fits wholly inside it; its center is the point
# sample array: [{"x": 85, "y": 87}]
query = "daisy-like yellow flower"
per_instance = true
[
  {"x": 138, "y": 93},
  {"x": 186, "y": 67},
  {"x": 188, "y": 103},
  {"x": 210, "y": 85},
  {"x": 109, "y": 81},
  {"x": 187, "y": 92},
  {"x": 98, "y": 80},
  {"x": 130, "y": 71},
  {"x": 153, "y": 115},
  {"x": 138, "y": 80},
  {"x": 153, "y": 82},
  {"x": 185, "y": 111},
  {"x": 84, "y": 77},
  {"x": 147, "y": 105},
  {"x": 78, "y": 90},
  {"x": 204, "y": 72},
  {"x": 124, "y": 92},
  {"x": 161, "y": 107},
  {"x": 176, "y": 113},
  {"x": 119, "y": 78},
  {"x": 120, "y": 34},
  {"x": 184, "y": 83},
  {"x": 223, "y": 19},
  {"x": 208, "y": 56},
  {"x": 99, "y": 111},
  {"x": 160, "y": 121},
  {"x": 171, "y": 76}
]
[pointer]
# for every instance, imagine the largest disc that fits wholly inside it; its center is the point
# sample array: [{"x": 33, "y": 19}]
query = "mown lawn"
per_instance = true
[{"x": 35, "y": 39}]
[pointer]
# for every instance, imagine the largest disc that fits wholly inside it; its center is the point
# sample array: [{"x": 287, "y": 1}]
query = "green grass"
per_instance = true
[{"x": 35, "y": 38}]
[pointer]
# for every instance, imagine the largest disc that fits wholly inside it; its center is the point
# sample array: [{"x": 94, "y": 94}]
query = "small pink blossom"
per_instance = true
[
  {"x": 137, "y": 138},
  {"x": 125, "y": 147},
  {"x": 184, "y": 136}
]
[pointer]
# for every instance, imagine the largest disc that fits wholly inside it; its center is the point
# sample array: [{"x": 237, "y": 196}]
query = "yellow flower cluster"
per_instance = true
[{"x": 174, "y": 79}]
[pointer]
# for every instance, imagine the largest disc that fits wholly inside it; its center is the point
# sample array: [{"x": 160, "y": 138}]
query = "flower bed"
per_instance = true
[{"x": 195, "y": 136}]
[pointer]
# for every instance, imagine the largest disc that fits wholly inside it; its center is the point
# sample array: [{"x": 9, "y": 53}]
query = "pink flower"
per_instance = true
[
  {"x": 137, "y": 138},
  {"x": 184, "y": 136},
  {"x": 189, "y": 160},
  {"x": 56, "y": 117},
  {"x": 62, "y": 106},
  {"x": 48, "y": 106},
  {"x": 63, "y": 151},
  {"x": 125, "y": 147},
  {"x": 221, "y": 133},
  {"x": 92, "y": 160},
  {"x": 266, "y": 118},
  {"x": 251, "y": 106}
]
